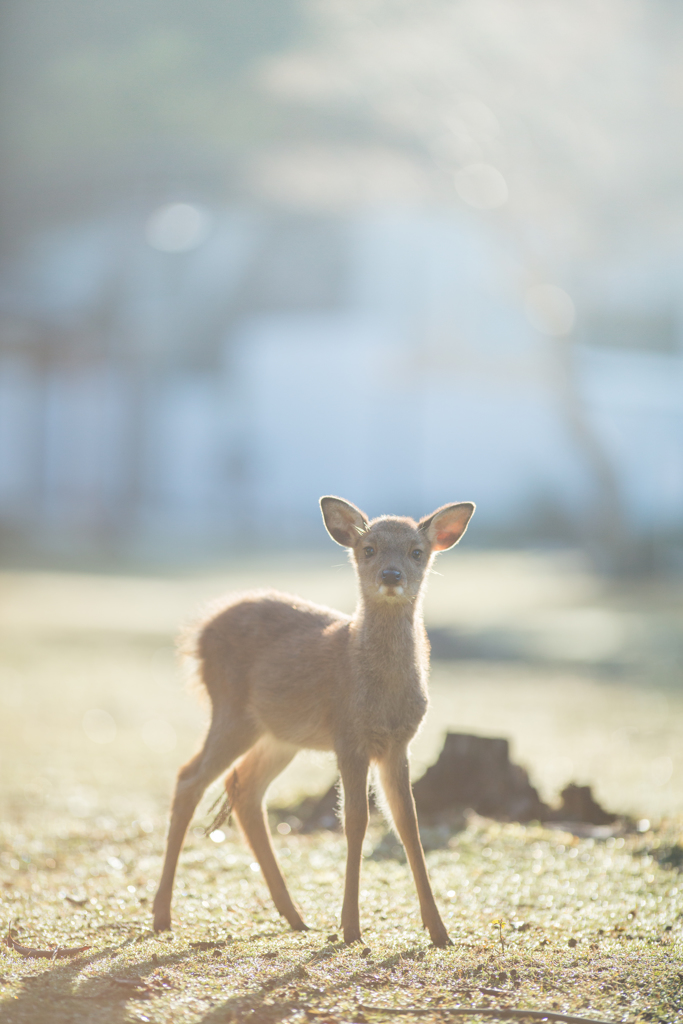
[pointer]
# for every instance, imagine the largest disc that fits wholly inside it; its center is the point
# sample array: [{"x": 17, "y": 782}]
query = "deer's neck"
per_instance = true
[{"x": 390, "y": 641}]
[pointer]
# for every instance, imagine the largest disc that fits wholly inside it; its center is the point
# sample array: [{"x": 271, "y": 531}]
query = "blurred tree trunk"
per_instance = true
[{"x": 606, "y": 533}]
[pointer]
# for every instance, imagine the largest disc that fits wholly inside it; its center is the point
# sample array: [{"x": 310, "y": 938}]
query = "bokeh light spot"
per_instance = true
[
  {"x": 178, "y": 227},
  {"x": 82, "y": 802}
]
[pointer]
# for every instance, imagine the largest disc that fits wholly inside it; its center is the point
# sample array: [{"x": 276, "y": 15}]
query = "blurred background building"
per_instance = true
[{"x": 410, "y": 253}]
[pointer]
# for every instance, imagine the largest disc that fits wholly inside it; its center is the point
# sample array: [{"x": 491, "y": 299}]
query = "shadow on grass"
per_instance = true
[
  {"x": 253, "y": 1007},
  {"x": 51, "y": 995}
]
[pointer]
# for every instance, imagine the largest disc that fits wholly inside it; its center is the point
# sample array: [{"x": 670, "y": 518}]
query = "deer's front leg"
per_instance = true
[
  {"x": 395, "y": 778},
  {"x": 354, "y": 773}
]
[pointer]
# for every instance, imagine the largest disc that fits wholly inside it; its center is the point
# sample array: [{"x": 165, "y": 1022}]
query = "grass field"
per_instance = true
[{"x": 95, "y": 720}]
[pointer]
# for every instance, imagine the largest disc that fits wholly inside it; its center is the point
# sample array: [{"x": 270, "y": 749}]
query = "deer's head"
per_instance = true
[{"x": 392, "y": 554}]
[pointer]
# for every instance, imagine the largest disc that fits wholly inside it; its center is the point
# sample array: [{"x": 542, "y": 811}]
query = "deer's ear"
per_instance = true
[
  {"x": 445, "y": 527},
  {"x": 343, "y": 520}
]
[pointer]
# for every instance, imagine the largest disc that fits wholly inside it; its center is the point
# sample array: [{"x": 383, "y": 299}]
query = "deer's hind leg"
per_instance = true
[
  {"x": 246, "y": 785},
  {"x": 226, "y": 740}
]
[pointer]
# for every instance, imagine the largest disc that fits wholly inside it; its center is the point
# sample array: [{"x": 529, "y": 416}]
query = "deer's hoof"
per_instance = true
[
  {"x": 442, "y": 940},
  {"x": 162, "y": 921},
  {"x": 299, "y": 926},
  {"x": 351, "y": 936}
]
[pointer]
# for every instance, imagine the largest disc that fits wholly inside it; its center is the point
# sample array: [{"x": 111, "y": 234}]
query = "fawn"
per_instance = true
[{"x": 285, "y": 674}]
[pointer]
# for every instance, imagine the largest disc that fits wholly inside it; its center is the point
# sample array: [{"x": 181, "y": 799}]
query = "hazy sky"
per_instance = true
[{"x": 570, "y": 111}]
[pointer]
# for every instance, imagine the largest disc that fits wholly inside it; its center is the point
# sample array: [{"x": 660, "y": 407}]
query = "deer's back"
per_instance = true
[{"x": 277, "y": 658}]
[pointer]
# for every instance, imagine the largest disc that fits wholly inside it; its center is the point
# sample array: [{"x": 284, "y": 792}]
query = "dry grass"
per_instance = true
[{"x": 587, "y": 926}]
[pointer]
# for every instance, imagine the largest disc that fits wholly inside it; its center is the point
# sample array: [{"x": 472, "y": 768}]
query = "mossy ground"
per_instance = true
[
  {"x": 587, "y": 926},
  {"x": 573, "y": 925}
]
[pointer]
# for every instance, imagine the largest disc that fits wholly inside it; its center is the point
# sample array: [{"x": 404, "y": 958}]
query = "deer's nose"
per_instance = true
[{"x": 391, "y": 575}]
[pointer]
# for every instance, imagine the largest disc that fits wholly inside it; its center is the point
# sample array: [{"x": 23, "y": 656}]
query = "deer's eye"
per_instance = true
[
  {"x": 369, "y": 552},
  {"x": 417, "y": 554}
]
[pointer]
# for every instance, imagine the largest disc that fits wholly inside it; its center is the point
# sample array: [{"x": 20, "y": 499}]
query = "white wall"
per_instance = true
[{"x": 426, "y": 385}]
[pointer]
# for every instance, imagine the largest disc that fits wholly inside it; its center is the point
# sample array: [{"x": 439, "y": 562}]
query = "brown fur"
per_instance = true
[{"x": 284, "y": 674}]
